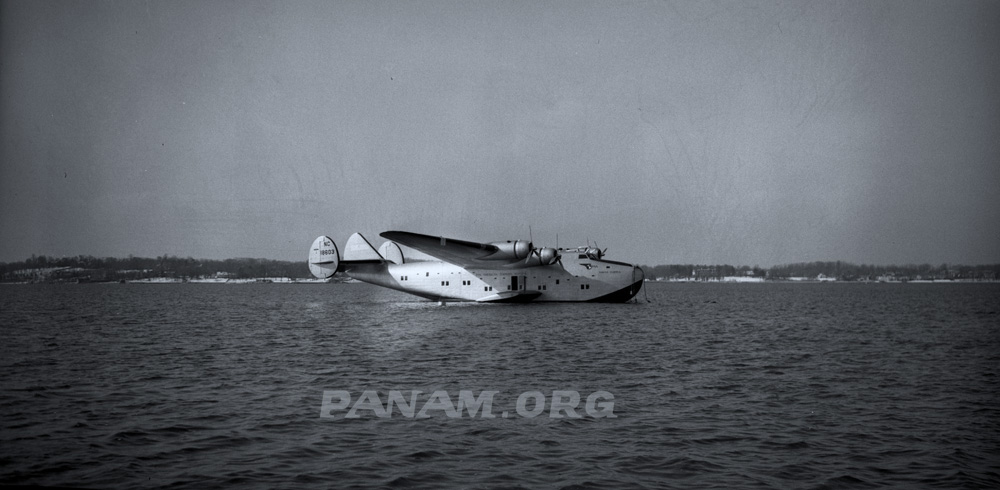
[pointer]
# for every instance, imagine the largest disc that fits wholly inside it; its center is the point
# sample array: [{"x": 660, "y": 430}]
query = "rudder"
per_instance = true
[
  {"x": 358, "y": 249},
  {"x": 324, "y": 258}
]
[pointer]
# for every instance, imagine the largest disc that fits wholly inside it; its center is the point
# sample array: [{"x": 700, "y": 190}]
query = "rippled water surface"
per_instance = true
[{"x": 715, "y": 386}]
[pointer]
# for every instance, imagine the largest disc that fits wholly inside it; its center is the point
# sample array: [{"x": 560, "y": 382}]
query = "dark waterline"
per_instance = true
[{"x": 715, "y": 386}]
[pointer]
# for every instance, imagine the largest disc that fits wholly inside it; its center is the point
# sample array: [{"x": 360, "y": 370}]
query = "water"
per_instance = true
[{"x": 715, "y": 386}]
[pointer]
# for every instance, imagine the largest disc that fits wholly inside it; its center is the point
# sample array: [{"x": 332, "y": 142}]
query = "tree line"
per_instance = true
[
  {"x": 41, "y": 267},
  {"x": 846, "y": 271},
  {"x": 839, "y": 270},
  {"x": 696, "y": 271}
]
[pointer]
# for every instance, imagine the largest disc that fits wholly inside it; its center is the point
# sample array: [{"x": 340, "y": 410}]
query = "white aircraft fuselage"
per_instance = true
[{"x": 529, "y": 274}]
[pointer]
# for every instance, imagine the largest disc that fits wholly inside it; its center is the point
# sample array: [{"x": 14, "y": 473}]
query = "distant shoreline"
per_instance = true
[
  {"x": 824, "y": 281},
  {"x": 288, "y": 280},
  {"x": 170, "y": 269}
]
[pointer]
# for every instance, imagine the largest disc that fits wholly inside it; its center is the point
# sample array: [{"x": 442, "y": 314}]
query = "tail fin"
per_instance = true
[
  {"x": 390, "y": 251},
  {"x": 358, "y": 249},
  {"x": 324, "y": 258}
]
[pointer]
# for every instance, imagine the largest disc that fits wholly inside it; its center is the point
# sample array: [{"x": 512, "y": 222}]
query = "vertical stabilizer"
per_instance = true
[
  {"x": 358, "y": 249},
  {"x": 323, "y": 258},
  {"x": 391, "y": 252}
]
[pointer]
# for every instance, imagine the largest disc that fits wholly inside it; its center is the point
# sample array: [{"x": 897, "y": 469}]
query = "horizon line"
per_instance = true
[{"x": 845, "y": 262}]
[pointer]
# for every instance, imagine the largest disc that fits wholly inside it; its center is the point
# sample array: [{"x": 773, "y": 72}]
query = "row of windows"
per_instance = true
[
  {"x": 533, "y": 278},
  {"x": 427, "y": 274},
  {"x": 466, "y": 283},
  {"x": 448, "y": 283},
  {"x": 541, "y": 287}
]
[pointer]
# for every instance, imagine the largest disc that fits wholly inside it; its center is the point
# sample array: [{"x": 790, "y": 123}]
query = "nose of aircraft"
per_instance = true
[{"x": 638, "y": 276}]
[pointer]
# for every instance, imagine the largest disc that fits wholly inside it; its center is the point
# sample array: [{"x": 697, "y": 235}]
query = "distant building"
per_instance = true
[{"x": 704, "y": 273}]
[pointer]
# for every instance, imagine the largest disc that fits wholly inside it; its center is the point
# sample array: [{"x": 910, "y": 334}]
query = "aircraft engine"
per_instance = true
[
  {"x": 548, "y": 255},
  {"x": 511, "y": 250},
  {"x": 543, "y": 256}
]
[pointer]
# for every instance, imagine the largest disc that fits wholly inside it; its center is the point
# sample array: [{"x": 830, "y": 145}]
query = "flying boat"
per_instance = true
[{"x": 447, "y": 269}]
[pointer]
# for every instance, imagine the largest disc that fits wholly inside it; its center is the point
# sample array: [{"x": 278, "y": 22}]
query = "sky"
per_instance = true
[{"x": 745, "y": 133}]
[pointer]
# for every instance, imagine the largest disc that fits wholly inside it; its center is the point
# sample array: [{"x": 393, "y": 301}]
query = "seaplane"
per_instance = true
[{"x": 446, "y": 269}]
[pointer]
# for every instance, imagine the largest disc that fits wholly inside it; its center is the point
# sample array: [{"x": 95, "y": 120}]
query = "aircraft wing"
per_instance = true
[{"x": 459, "y": 252}]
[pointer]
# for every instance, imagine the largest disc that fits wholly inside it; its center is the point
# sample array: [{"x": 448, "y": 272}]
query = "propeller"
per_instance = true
[
  {"x": 537, "y": 252},
  {"x": 595, "y": 252},
  {"x": 542, "y": 260}
]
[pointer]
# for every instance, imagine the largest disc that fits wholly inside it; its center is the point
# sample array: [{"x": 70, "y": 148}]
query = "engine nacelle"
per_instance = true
[
  {"x": 548, "y": 255},
  {"x": 510, "y": 250},
  {"x": 542, "y": 256}
]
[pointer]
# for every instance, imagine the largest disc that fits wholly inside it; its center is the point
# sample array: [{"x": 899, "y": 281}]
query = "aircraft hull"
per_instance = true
[
  {"x": 575, "y": 280},
  {"x": 501, "y": 272}
]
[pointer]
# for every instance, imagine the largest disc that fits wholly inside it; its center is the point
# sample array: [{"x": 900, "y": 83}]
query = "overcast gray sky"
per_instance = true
[{"x": 671, "y": 132}]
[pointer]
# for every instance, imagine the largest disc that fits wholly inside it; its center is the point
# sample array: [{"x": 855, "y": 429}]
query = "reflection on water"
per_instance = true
[{"x": 722, "y": 385}]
